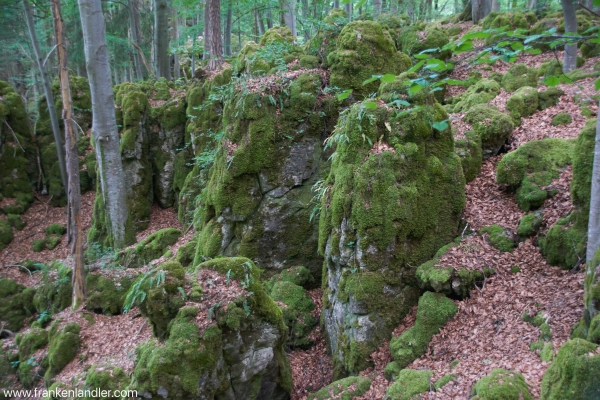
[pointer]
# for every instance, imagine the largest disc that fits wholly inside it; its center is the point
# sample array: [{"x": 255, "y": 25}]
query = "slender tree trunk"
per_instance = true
[
  {"x": 75, "y": 228},
  {"x": 305, "y": 15},
  {"x": 570, "y": 57},
  {"x": 214, "y": 43},
  {"x": 206, "y": 52},
  {"x": 260, "y": 27},
  {"x": 376, "y": 7},
  {"x": 480, "y": 9},
  {"x": 193, "y": 54},
  {"x": 394, "y": 6},
  {"x": 228, "y": 24},
  {"x": 175, "y": 34},
  {"x": 104, "y": 124},
  {"x": 288, "y": 8},
  {"x": 348, "y": 8},
  {"x": 161, "y": 39},
  {"x": 532, "y": 4},
  {"x": 134, "y": 28},
  {"x": 60, "y": 148},
  {"x": 269, "y": 19},
  {"x": 336, "y": 4},
  {"x": 495, "y": 5},
  {"x": 592, "y": 271}
]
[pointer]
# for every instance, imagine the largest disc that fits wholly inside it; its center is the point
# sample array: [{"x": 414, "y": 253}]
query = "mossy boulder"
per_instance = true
[
  {"x": 150, "y": 248},
  {"x": 469, "y": 150},
  {"x": 64, "y": 346},
  {"x": 186, "y": 253},
  {"x": 54, "y": 294},
  {"x": 523, "y": 103},
  {"x": 501, "y": 384},
  {"x": 103, "y": 377},
  {"x": 235, "y": 354},
  {"x": 345, "y": 389},
  {"x": 106, "y": 295},
  {"x": 562, "y": 119},
  {"x": 549, "y": 97},
  {"x": 409, "y": 383},
  {"x": 296, "y": 313},
  {"x": 414, "y": 39},
  {"x": 433, "y": 311},
  {"x": 35, "y": 339},
  {"x": 499, "y": 237},
  {"x": 257, "y": 199},
  {"x": 493, "y": 126},
  {"x": 575, "y": 372},
  {"x": 393, "y": 197},
  {"x": 300, "y": 276},
  {"x": 364, "y": 49},
  {"x": 55, "y": 229},
  {"x": 530, "y": 224},
  {"x": 16, "y": 305},
  {"x": 324, "y": 41},
  {"x": 6, "y": 233},
  {"x": 481, "y": 92},
  {"x": 518, "y": 76},
  {"x": 532, "y": 167}
]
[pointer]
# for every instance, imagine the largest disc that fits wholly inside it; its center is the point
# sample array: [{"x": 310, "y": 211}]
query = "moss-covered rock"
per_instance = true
[
  {"x": 36, "y": 338},
  {"x": 519, "y": 75},
  {"x": 150, "y": 248},
  {"x": 530, "y": 224},
  {"x": 433, "y": 311},
  {"x": 300, "y": 276},
  {"x": 409, "y": 383},
  {"x": 64, "y": 346},
  {"x": 56, "y": 229},
  {"x": 533, "y": 166},
  {"x": 186, "y": 253},
  {"x": 470, "y": 153},
  {"x": 414, "y": 39},
  {"x": 54, "y": 294},
  {"x": 297, "y": 313},
  {"x": 574, "y": 374},
  {"x": 499, "y": 237},
  {"x": 393, "y": 198},
  {"x": 444, "y": 380},
  {"x": 6, "y": 233},
  {"x": 562, "y": 119},
  {"x": 481, "y": 92},
  {"x": 493, "y": 126},
  {"x": 549, "y": 97},
  {"x": 16, "y": 222},
  {"x": 240, "y": 354},
  {"x": 16, "y": 305},
  {"x": 523, "y": 103},
  {"x": 324, "y": 41},
  {"x": 501, "y": 384},
  {"x": 107, "y": 378},
  {"x": 364, "y": 49},
  {"x": 105, "y": 295},
  {"x": 345, "y": 389}
]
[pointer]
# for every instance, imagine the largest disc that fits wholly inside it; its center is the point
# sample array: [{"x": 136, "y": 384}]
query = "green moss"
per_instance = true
[
  {"x": 56, "y": 229},
  {"x": 52, "y": 241},
  {"x": 433, "y": 311},
  {"x": 364, "y": 49},
  {"x": 35, "y": 339},
  {"x": 297, "y": 314},
  {"x": 277, "y": 34},
  {"x": 481, "y": 92},
  {"x": 530, "y": 224},
  {"x": 345, "y": 389},
  {"x": 501, "y": 384},
  {"x": 409, "y": 383},
  {"x": 499, "y": 237},
  {"x": 104, "y": 295},
  {"x": 64, "y": 346},
  {"x": 416, "y": 38},
  {"x": 443, "y": 381},
  {"x": 186, "y": 252},
  {"x": 150, "y": 248},
  {"x": 6, "y": 233},
  {"x": 470, "y": 153},
  {"x": 574, "y": 373},
  {"x": 547, "y": 352},
  {"x": 16, "y": 222},
  {"x": 309, "y": 62},
  {"x": 54, "y": 294},
  {"x": 300, "y": 276},
  {"x": 523, "y": 103},
  {"x": 519, "y": 75},
  {"x": 39, "y": 245},
  {"x": 562, "y": 119},
  {"x": 491, "y": 125},
  {"x": 106, "y": 378},
  {"x": 16, "y": 305}
]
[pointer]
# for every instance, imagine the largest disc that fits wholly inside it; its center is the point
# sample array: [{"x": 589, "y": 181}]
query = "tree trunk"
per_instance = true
[
  {"x": 531, "y": 4},
  {"x": 175, "y": 37},
  {"x": 570, "y": 57},
  {"x": 376, "y": 8},
  {"x": 495, "y": 5},
  {"x": 205, "y": 52},
  {"x": 466, "y": 14},
  {"x": 134, "y": 27},
  {"x": 75, "y": 228},
  {"x": 480, "y": 9},
  {"x": 289, "y": 15},
  {"x": 269, "y": 19},
  {"x": 348, "y": 9},
  {"x": 260, "y": 26},
  {"x": 228, "y": 24},
  {"x": 214, "y": 43},
  {"x": 104, "y": 124},
  {"x": 60, "y": 148},
  {"x": 305, "y": 15},
  {"x": 161, "y": 39},
  {"x": 593, "y": 243}
]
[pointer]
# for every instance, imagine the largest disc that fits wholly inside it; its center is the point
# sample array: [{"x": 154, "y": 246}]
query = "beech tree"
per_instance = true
[
  {"x": 213, "y": 33},
  {"x": 161, "y": 39},
  {"x": 104, "y": 124},
  {"x": 570, "y": 57},
  {"x": 480, "y": 9}
]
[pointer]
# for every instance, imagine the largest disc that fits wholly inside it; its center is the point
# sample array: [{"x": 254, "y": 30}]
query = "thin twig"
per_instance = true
[
  {"x": 17, "y": 265},
  {"x": 15, "y": 136}
]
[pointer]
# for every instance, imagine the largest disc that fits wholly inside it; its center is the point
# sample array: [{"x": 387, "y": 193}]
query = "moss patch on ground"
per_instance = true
[{"x": 501, "y": 384}]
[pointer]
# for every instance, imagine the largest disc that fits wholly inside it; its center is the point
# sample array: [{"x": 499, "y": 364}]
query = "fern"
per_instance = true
[{"x": 137, "y": 292}]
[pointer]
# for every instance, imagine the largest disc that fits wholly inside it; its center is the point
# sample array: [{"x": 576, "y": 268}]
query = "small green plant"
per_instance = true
[
  {"x": 213, "y": 309},
  {"x": 137, "y": 292},
  {"x": 230, "y": 274},
  {"x": 247, "y": 308}
]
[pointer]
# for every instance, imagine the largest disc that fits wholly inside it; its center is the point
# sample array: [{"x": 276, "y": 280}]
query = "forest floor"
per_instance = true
[{"x": 488, "y": 330}]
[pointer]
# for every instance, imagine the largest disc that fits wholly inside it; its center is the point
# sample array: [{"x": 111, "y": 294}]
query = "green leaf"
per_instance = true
[
  {"x": 416, "y": 66},
  {"x": 454, "y": 82},
  {"x": 370, "y": 105},
  {"x": 596, "y": 3},
  {"x": 476, "y": 35},
  {"x": 371, "y": 79},
  {"x": 597, "y": 83},
  {"x": 344, "y": 95},
  {"x": 387, "y": 78},
  {"x": 551, "y": 81},
  {"x": 360, "y": 3},
  {"x": 433, "y": 50},
  {"x": 399, "y": 103},
  {"x": 533, "y": 38},
  {"x": 415, "y": 88},
  {"x": 517, "y": 46},
  {"x": 463, "y": 46},
  {"x": 421, "y": 56},
  {"x": 440, "y": 126}
]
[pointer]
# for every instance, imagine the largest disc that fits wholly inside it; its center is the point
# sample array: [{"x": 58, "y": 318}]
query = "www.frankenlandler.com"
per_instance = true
[{"x": 69, "y": 394}]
